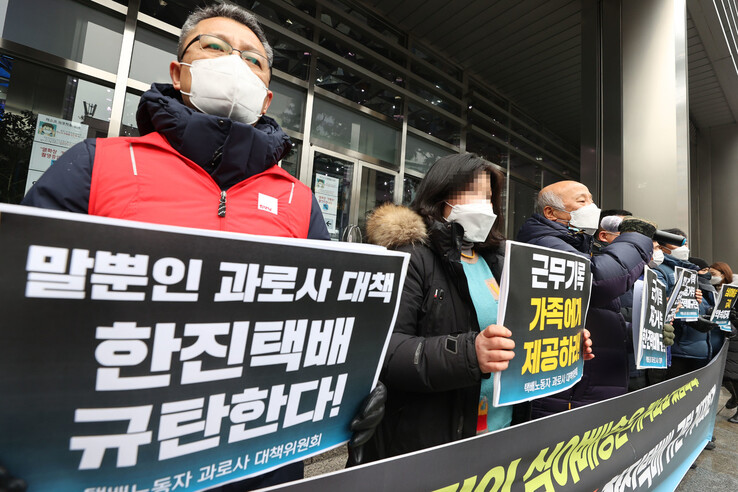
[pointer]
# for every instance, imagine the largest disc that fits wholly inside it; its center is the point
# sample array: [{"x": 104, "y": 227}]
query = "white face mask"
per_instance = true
[
  {"x": 716, "y": 279},
  {"x": 585, "y": 219},
  {"x": 477, "y": 219},
  {"x": 680, "y": 253},
  {"x": 225, "y": 86},
  {"x": 658, "y": 257}
]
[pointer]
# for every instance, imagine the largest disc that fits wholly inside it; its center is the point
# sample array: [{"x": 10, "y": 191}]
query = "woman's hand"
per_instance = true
[
  {"x": 587, "y": 347},
  {"x": 494, "y": 348}
]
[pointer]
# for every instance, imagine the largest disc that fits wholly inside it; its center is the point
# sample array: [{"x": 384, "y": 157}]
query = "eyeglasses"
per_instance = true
[{"x": 215, "y": 46}]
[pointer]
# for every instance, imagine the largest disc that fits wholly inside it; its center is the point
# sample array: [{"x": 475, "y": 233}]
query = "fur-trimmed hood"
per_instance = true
[{"x": 393, "y": 226}]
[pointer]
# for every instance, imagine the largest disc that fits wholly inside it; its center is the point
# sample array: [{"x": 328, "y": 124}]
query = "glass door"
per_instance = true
[
  {"x": 332, "y": 183},
  {"x": 377, "y": 187}
]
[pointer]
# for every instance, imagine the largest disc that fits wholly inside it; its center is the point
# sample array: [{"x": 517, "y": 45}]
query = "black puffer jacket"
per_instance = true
[
  {"x": 431, "y": 368},
  {"x": 731, "y": 364}
]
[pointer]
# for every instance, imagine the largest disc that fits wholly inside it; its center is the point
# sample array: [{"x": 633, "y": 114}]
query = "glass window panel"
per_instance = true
[
  {"x": 420, "y": 154},
  {"x": 289, "y": 56},
  {"x": 524, "y": 167},
  {"x": 152, "y": 54},
  {"x": 75, "y": 108},
  {"x": 332, "y": 178},
  {"x": 409, "y": 189},
  {"x": 369, "y": 20},
  {"x": 129, "y": 126},
  {"x": 288, "y": 105},
  {"x": 282, "y": 16},
  {"x": 435, "y": 99},
  {"x": 350, "y": 53},
  {"x": 65, "y": 28},
  {"x": 358, "y": 89},
  {"x": 434, "y": 124},
  {"x": 348, "y": 129},
  {"x": 376, "y": 188},
  {"x": 522, "y": 205},
  {"x": 487, "y": 149},
  {"x": 171, "y": 12},
  {"x": 440, "y": 82},
  {"x": 444, "y": 66},
  {"x": 291, "y": 162}
]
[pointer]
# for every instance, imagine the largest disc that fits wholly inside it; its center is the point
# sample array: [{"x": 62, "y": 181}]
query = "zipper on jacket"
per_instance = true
[{"x": 222, "y": 204}]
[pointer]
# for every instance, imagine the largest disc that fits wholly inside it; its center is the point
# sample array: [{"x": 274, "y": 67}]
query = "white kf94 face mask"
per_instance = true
[
  {"x": 586, "y": 218},
  {"x": 477, "y": 219},
  {"x": 225, "y": 86}
]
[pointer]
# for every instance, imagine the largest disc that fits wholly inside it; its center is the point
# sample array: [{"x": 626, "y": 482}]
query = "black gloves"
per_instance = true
[
  {"x": 9, "y": 483},
  {"x": 668, "y": 334},
  {"x": 634, "y": 224},
  {"x": 366, "y": 421},
  {"x": 703, "y": 324}
]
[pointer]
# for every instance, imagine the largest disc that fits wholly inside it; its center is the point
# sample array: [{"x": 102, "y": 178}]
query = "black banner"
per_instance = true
[
  {"x": 152, "y": 358},
  {"x": 640, "y": 441}
]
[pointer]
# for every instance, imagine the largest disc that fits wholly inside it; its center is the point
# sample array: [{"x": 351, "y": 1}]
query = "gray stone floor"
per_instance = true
[{"x": 716, "y": 471}]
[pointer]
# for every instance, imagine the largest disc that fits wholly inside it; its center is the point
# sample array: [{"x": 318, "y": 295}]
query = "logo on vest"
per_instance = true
[{"x": 268, "y": 204}]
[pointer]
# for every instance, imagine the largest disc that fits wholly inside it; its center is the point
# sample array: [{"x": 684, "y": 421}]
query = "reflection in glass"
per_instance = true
[
  {"x": 409, "y": 189},
  {"x": 66, "y": 28},
  {"x": 288, "y": 105},
  {"x": 522, "y": 204},
  {"x": 152, "y": 54},
  {"x": 434, "y": 124},
  {"x": 291, "y": 162},
  {"x": 289, "y": 56},
  {"x": 332, "y": 178},
  {"x": 129, "y": 126},
  {"x": 358, "y": 89},
  {"x": 421, "y": 154},
  {"x": 64, "y": 100},
  {"x": 376, "y": 188},
  {"x": 487, "y": 149},
  {"x": 340, "y": 126}
]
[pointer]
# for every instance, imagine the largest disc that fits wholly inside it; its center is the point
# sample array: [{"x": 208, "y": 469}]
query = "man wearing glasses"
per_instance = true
[
  {"x": 206, "y": 158},
  {"x": 207, "y": 155}
]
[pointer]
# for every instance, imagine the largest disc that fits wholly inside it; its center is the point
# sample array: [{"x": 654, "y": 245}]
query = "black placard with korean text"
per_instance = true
[{"x": 160, "y": 358}]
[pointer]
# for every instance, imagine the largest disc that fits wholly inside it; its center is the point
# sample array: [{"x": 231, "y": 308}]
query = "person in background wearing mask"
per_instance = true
[
  {"x": 207, "y": 158},
  {"x": 446, "y": 343},
  {"x": 208, "y": 154},
  {"x": 565, "y": 220},
  {"x": 722, "y": 274},
  {"x": 608, "y": 230}
]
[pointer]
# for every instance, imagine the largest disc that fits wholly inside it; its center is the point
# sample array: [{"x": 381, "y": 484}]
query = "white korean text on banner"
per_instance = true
[
  {"x": 649, "y": 312},
  {"x": 723, "y": 306},
  {"x": 52, "y": 137},
  {"x": 544, "y": 296},
  {"x": 683, "y": 301},
  {"x": 139, "y": 357},
  {"x": 637, "y": 442}
]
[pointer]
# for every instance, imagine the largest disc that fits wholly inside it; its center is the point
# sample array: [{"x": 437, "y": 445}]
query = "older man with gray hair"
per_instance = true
[{"x": 565, "y": 220}]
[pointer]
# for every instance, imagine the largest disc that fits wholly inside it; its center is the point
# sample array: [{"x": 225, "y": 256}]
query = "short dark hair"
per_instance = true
[
  {"x": 234, "y": 12},
  {"x": 453, "y": 174}
]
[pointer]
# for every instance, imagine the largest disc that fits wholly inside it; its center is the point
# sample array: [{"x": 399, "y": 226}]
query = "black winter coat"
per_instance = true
[{"x": 431, "y": 369}]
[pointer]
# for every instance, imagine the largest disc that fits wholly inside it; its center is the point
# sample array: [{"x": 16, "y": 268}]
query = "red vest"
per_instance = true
[{"x": 145, "y": 179}]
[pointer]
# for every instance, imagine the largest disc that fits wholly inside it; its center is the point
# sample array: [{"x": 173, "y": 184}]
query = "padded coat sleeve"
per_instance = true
[
  {"x": 66, "y": 184},
  {"x": 420, "y": 363}
]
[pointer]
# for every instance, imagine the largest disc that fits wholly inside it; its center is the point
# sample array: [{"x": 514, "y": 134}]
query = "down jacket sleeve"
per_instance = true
[
  {"x": 66, "y": 184},
  {"x": 618, "y": 267},
  {"x": 432, "y": 346}
]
